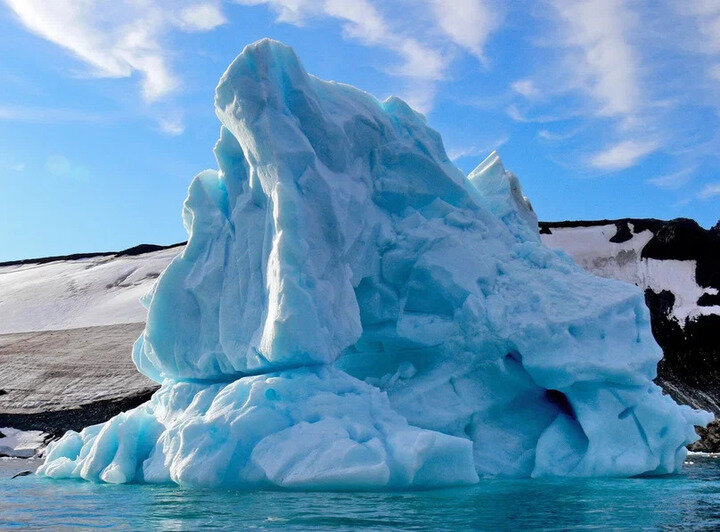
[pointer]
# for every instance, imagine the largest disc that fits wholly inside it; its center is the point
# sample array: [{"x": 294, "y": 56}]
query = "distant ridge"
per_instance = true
[
  {"x": 129, "y": 252},
  {"x": 623, "y": 234}
]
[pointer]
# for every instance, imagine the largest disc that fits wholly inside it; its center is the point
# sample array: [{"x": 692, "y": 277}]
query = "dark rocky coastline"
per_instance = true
[{"x": 56, "y": 422}]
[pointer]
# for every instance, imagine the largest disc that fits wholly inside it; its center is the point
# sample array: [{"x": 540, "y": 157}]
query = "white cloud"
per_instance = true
[
  {"x": 420, "y": 95},
  {"x": 290, "y": 11},
  {"x": 674, "y": 180},
  {"x": 171, "y": 126},
  {"x": 117, "y": 38},
  {"x": 605, "y": 64},
  {"x": 423, "y": 50},
  {"x": 709, "y": 191},
  {"x": 622, "y": 155},
  {"x": 120, "y": 38},
  {"x": 525, "y": 87},
  {"x": 552, "y": 136},
  {"x": 468, "y": 23},
  {"x": 602, "y": 78},
  {"x": 483, "y": 149},
  {"x": 201, "y": 17},
  {"x": 362, "y": 21},
  {"x": 516, "y": 115},
  {"x": 707, "y": 15}
]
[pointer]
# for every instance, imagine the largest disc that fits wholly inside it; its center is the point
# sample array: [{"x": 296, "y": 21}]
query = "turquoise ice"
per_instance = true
[{"x": 352, "y": 312}]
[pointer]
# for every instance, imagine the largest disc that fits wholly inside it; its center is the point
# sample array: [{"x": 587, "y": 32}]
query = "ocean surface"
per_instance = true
[{"x": 688, "y": 501}]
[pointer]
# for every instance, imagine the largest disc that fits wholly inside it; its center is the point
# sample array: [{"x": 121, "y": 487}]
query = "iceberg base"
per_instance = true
[{"x": 312, "y": 428}]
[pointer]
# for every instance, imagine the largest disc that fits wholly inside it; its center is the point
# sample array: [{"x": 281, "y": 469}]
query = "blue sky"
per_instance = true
[{"x": 603, "y": 108}]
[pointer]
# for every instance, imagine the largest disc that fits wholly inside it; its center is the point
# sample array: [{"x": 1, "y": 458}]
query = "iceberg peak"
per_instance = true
[{"x": 503, "y": 194}]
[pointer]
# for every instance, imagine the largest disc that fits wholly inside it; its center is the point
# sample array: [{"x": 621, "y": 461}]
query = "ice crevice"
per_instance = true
[{"x": 353, "y": 312}]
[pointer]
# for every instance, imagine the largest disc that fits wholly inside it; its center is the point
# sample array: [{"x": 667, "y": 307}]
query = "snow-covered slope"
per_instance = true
[
  {"x": 67, "y": 326},
  {"x": 85, "y": 292},
  {"x": 623, "y": 250}
]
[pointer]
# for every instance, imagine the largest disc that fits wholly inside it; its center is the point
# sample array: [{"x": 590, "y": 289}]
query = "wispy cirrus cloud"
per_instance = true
[
  {"x": 120, "y": 37},
  {"x": 526, "y": 88},
  {"x": 362, "y": 21},
  {"x": 674, "y": 180},
  {"x": 604, "y": 63},
  {"x": 606, "y": 67},
  {"x": 555, "y": 136},
  {"x": 596, "y": 89},
  {"x": 171, "y": 126},
  {"x": 199, "y": 17},
  {"x": 622, "y": 155},
  {"x": 514, "y": 112},
  {"x": 707, "y": 19},
  {"x": 620, "y": 70},
  {"x": 420, "y": 48},
  {"x": 479, "y": 149},
  {"x": 710, "y": 190},
  {"x": 469, "y": 23},
  {"x": 595, "y": 76}
]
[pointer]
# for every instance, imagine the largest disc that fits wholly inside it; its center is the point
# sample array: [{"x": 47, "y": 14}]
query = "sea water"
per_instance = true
[{"x": 690, "y": 500}]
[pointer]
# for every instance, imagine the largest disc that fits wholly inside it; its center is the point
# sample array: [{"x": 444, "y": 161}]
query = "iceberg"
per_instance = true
[{"x": 353, "y": 312}]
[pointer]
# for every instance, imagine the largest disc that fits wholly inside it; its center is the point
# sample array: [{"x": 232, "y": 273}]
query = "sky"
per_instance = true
[{"x": 603, "y": 108}]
